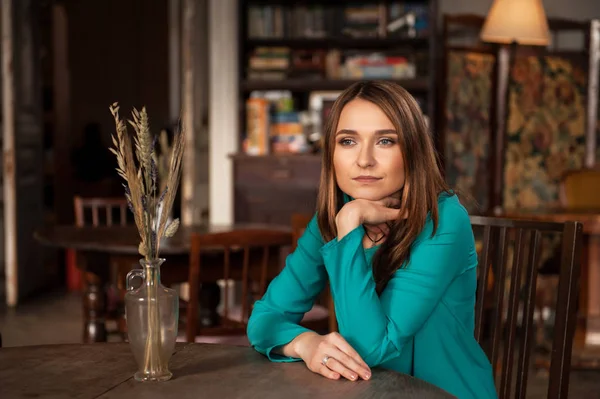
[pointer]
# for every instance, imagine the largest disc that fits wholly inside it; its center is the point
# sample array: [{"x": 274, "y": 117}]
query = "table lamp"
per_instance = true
[{"x": 516, "y": 22}]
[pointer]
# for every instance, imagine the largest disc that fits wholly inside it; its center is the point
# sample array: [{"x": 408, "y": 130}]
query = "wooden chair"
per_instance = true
[
  {"x": 99, "y": 212},
  {"x": 107, "y": 205},
  {"x": 83, "y": 207},
  {"x": 527, "y": 238},
  {"x": 233, "y": 320},
  {"x": 319, "y": 318}
]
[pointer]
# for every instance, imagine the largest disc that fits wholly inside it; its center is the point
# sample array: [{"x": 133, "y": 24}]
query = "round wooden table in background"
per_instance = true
[
  {"x": 99, "y": 248},
  {"x": 199, "y": 370}
]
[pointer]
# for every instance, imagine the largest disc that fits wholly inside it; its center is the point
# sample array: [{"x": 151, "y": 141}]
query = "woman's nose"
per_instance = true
[{"x": 365, "y": 157}]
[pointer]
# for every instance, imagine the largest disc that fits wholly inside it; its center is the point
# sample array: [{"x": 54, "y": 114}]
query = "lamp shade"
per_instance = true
[{"x": 520, "y": 21}]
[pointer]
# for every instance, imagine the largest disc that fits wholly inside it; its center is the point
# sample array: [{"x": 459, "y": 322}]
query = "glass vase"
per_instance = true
[{"x": 152, "y": 314}]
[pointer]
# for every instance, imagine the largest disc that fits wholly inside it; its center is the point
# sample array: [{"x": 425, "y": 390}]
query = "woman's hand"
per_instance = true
[
  {"x": 361, "y": 211},
  {"x": 331, "y": 356}
]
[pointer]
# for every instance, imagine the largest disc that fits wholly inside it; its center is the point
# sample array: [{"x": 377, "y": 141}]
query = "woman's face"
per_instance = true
[{"x": 367, "y": 159}]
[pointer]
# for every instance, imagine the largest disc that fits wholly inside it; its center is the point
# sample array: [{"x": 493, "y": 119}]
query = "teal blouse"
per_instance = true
[{"x": 422, "y": 324}]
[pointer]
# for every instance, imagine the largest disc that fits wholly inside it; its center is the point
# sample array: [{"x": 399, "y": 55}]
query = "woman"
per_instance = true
[{"x": 398, "y": 250}]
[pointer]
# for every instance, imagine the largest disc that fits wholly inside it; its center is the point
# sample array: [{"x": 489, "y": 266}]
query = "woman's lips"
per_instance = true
[{"x": 366, "y": 179}]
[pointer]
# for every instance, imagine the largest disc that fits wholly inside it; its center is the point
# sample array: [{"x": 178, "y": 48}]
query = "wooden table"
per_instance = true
[
  {"x": 124, "y": 240},
  {"x": 199, "y": 371},
  {"x": 586, "y": 348},
  {"x": 100, "y": 248}
]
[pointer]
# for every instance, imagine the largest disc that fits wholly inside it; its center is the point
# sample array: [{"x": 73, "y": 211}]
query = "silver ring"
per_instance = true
[{"x": 324, "y": 361}]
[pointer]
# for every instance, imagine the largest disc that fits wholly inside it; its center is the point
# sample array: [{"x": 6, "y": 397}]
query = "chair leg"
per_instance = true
[{"x": 192, "y": 310}]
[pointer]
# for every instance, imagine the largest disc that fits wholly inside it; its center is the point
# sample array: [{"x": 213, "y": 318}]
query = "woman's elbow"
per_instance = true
[
  {"x": 257, "y": 329},
  {"x": 383, "y": 351},
  {"x": 255, "y": 337},
  {"x": 253, "y": 329}
]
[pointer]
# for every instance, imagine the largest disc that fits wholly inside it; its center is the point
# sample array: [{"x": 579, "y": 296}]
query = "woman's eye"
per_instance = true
[
  {"x": 346, "y": 142},
  {"x": 386, "y": 141}
]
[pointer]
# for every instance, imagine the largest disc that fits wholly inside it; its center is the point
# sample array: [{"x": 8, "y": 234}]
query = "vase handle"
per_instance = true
[{"x": 133, "y": 274}]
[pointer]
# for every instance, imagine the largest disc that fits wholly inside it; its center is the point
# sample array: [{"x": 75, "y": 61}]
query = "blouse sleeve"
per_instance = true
[
  {"x": 378, "y": 327},
  {"x": 275, "y": 319}
]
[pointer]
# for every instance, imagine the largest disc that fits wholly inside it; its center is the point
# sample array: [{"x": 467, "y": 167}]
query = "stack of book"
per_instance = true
[
  {"x": 273, "y": 125},
  {"x": 358, "y": 20}
]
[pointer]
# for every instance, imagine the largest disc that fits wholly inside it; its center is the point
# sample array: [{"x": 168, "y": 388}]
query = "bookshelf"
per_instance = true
[
  {"x": 339, "y": 42},
  {"x": 293, "y": 59},
  {"x": 307, "y": 85}
]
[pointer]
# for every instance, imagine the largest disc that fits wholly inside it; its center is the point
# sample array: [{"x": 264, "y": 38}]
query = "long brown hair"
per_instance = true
[{"x": 423, "y": 181}]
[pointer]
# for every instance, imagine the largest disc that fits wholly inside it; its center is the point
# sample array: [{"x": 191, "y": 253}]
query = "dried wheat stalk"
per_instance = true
[{"x": 150, "y": 205}]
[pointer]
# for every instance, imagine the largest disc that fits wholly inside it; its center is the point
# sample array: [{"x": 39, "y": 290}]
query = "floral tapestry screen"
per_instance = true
[
  {"x": 545, "y": 130},
  {"x": 467, "y": 130}
]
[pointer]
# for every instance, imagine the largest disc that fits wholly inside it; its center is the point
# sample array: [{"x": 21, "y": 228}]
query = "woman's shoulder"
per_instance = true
[
  {"x": 450, "y": 208},
  {"x": 453, "y": 217}
]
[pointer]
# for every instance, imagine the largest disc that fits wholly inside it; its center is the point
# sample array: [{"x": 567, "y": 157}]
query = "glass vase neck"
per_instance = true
[
  {"x": 149, "y": 263},
  {"x": 152, "y": 270}
]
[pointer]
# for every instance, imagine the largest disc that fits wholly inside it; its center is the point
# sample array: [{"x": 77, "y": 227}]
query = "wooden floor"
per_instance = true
[{"x": 56, "y": 318}]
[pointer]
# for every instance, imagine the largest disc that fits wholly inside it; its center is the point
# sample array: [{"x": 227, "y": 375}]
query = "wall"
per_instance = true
[
  {"x": 118, "y": 51},
  {"x": 194, "y": 96},
  {"x": 223, "y": 107}
]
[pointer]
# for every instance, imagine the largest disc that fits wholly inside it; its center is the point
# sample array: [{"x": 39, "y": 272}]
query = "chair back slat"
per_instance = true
[
  {"x": 245, "y": 267},
  {"x": 524, "y": 238},
  {"x": 499, "y": 267},
  {"x": 483, "y": 281},
  {"x": 108, "y": 206},
  {"x": 513, "y": 304},
  {"x": 226, "y": 269},
  {"x": 264, "y": 269},
  {"x": 528, "y": 311},
  {"x": 564, "y": 327},
  {"x": 95, "y": 219},
  {"x": 123, "y": 211}
]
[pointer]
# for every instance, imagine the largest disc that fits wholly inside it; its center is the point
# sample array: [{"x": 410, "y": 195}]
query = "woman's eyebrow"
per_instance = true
[
  {"x": 385, "y": 131},
  {"x": 377, "y": 132},
  {"x": 346, "y": 131}
]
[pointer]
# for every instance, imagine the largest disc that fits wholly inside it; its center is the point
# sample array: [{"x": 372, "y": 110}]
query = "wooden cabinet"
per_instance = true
[{"x": 269, "y": 189}]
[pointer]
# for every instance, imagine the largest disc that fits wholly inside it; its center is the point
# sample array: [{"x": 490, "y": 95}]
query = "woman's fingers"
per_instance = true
[
  {"x": 391, "y": 202},
  {"x": 327, "y": 372},
  {"x": 341, "y": 368},
  {"x": 355, "y": 366},
  {"x": 352, "y": 354},
  {"x": 393, "y": 214}
]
